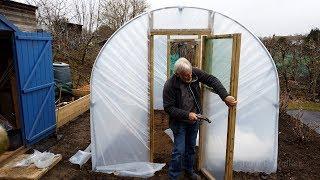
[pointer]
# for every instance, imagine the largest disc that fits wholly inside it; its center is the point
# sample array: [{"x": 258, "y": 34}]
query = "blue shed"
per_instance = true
[{"x": 29, "y": 54}]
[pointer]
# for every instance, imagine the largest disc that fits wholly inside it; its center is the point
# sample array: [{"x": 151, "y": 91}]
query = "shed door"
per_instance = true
[
  {"x": 35, "y": 71},
  {"x": 221, "y": 59}
]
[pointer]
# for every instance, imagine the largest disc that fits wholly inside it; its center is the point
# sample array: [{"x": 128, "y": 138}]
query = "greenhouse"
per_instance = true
[{"x": 128, "y": 78}]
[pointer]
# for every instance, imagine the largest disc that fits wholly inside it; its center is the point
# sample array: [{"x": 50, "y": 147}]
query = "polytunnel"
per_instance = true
[{"x": 128, "y": 77}]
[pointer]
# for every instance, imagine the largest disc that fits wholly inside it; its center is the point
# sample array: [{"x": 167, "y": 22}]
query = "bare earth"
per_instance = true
[{"x": 297, "y": 159}]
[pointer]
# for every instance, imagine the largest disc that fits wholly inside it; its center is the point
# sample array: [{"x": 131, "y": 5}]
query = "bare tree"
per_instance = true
[
  {"x": 73, "y": 31},
  {"x": 115, "y": 13}
]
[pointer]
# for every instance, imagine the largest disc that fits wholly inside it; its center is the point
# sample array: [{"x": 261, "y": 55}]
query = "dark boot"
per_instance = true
[{"x": 192, "y": 176}]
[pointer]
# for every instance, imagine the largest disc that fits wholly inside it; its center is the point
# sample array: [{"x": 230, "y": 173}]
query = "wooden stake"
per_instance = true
[{"x": 151, "y": 80}]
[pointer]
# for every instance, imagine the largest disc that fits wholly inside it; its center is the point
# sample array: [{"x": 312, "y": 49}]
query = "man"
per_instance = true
[{"x": 181, "y": 100}]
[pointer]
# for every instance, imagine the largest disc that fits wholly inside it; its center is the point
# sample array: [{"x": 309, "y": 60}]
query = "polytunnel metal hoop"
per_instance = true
[{"x": 121, "y": 47}]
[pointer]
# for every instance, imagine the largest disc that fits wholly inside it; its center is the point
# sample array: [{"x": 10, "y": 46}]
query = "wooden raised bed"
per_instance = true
[{"x": 72, "y": 110}]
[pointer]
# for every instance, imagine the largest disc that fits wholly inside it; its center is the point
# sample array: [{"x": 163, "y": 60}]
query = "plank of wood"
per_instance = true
[
  {"x": 207, "y": 174},
  {"x": 221, "y": 36},
  {"x": 180, "y": 32},
  {"x": 72, "y": 110},
  {"x": 232, "y": 110},
  {"x": 151, "y": 85},
  {"x": 202, "y": 126},
  {"x": 8, "y": 155},
  {"x": 29, "y": 172}
]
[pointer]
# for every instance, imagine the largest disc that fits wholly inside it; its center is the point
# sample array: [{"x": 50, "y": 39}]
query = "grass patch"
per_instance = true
[{"x": 310, "y": 106}]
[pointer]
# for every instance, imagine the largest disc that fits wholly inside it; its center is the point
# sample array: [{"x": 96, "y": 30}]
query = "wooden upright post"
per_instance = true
[
  {"x": 151, "y": 85},
  {"x": 202, "y": 126},
  {"x": 232, "y": 110}
]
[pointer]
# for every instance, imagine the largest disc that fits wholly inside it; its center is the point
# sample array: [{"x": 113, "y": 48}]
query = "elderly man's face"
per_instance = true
[{"x": 186, "y": 76}]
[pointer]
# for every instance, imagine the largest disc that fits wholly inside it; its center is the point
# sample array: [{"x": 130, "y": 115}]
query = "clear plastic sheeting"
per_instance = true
[
  {"x": 120, "y": 100},
  {"x": 256, "y": 134},
  {"x": 160, "y": 69},
  {"x": 136, "y": 169},
  {"x": 120, "y": 97},
  {"x": 39, "y": 159},
  {"x": 180, "y": 18},
  {"x": 81, "y": 157},
  {"x": 218, "y": 63}
]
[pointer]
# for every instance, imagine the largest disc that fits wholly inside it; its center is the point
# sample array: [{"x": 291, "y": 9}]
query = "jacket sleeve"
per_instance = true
[
  {"x": 169, "y": 101},
  {"x": 211, "y": 81}
]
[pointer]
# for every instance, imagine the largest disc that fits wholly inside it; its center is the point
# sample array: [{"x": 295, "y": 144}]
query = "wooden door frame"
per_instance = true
[
  {"x": 151, "y": 34},
  {"x": 202, "y": 34},
  {"x": 236, "y": 45}
]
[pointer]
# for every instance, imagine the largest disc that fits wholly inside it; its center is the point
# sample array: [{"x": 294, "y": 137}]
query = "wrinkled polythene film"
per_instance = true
[
  {"x": 160, "y": 69},
  {"x": 256, "y": 134},
  {"x": 120, "y": 101},
  {"x": 120, "y": 98},
  {"x": 39, "y": 159},
  {"x": 81, "y": 157},
  {"x": 186, "y": 18},
  {"x": 218, "y": 63}
]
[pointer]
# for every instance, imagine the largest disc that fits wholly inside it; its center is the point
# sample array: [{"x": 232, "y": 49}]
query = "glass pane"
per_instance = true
[{"x": 218, "y": 63}]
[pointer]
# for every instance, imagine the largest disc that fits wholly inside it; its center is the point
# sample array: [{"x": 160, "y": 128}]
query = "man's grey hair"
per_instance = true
[{"x": 182, "y": 65}]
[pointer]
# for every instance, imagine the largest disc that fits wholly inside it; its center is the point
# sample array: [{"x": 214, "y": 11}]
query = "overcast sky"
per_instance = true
[{"x": 262, "y": 17}]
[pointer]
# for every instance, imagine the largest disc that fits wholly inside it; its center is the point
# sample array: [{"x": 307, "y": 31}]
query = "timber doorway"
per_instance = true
[{"x": 204, "y": 51}]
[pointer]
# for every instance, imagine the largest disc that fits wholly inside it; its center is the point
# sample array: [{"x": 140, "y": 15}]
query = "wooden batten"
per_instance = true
[
  {"x": 232, "y": 110},
  {"x": 181, "y": 40},
  {"x": 151, "y": 85},
  {"x": 180, "y": 32},
  {"x": 202, "y": 126},
  {"x": 72, "y": 110},
  {"x": 207, "y": 174},
  {"x": 221, "y": 36}
]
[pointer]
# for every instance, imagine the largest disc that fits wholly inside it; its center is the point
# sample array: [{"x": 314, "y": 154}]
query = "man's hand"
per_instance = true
[
  {"x": 230, "y": 101},
  {"x": 192, "y": 116}
]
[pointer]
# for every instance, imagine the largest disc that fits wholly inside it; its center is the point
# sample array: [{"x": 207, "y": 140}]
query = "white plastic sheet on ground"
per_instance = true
[
  {"x": 135, "y": 169},
  {"x": 81, "y": 157},
  {"x": 120, "y": 98},
  {"x": 39, "y": 159}
]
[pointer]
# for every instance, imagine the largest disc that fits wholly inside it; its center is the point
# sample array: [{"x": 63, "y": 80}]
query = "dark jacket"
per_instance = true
[{"x": 172, "y": 102}]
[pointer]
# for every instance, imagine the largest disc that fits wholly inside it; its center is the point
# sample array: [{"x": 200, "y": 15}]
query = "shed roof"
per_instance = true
[
  {"x": 18, "y": 5},
  {"x": 6, "y": 25}
]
